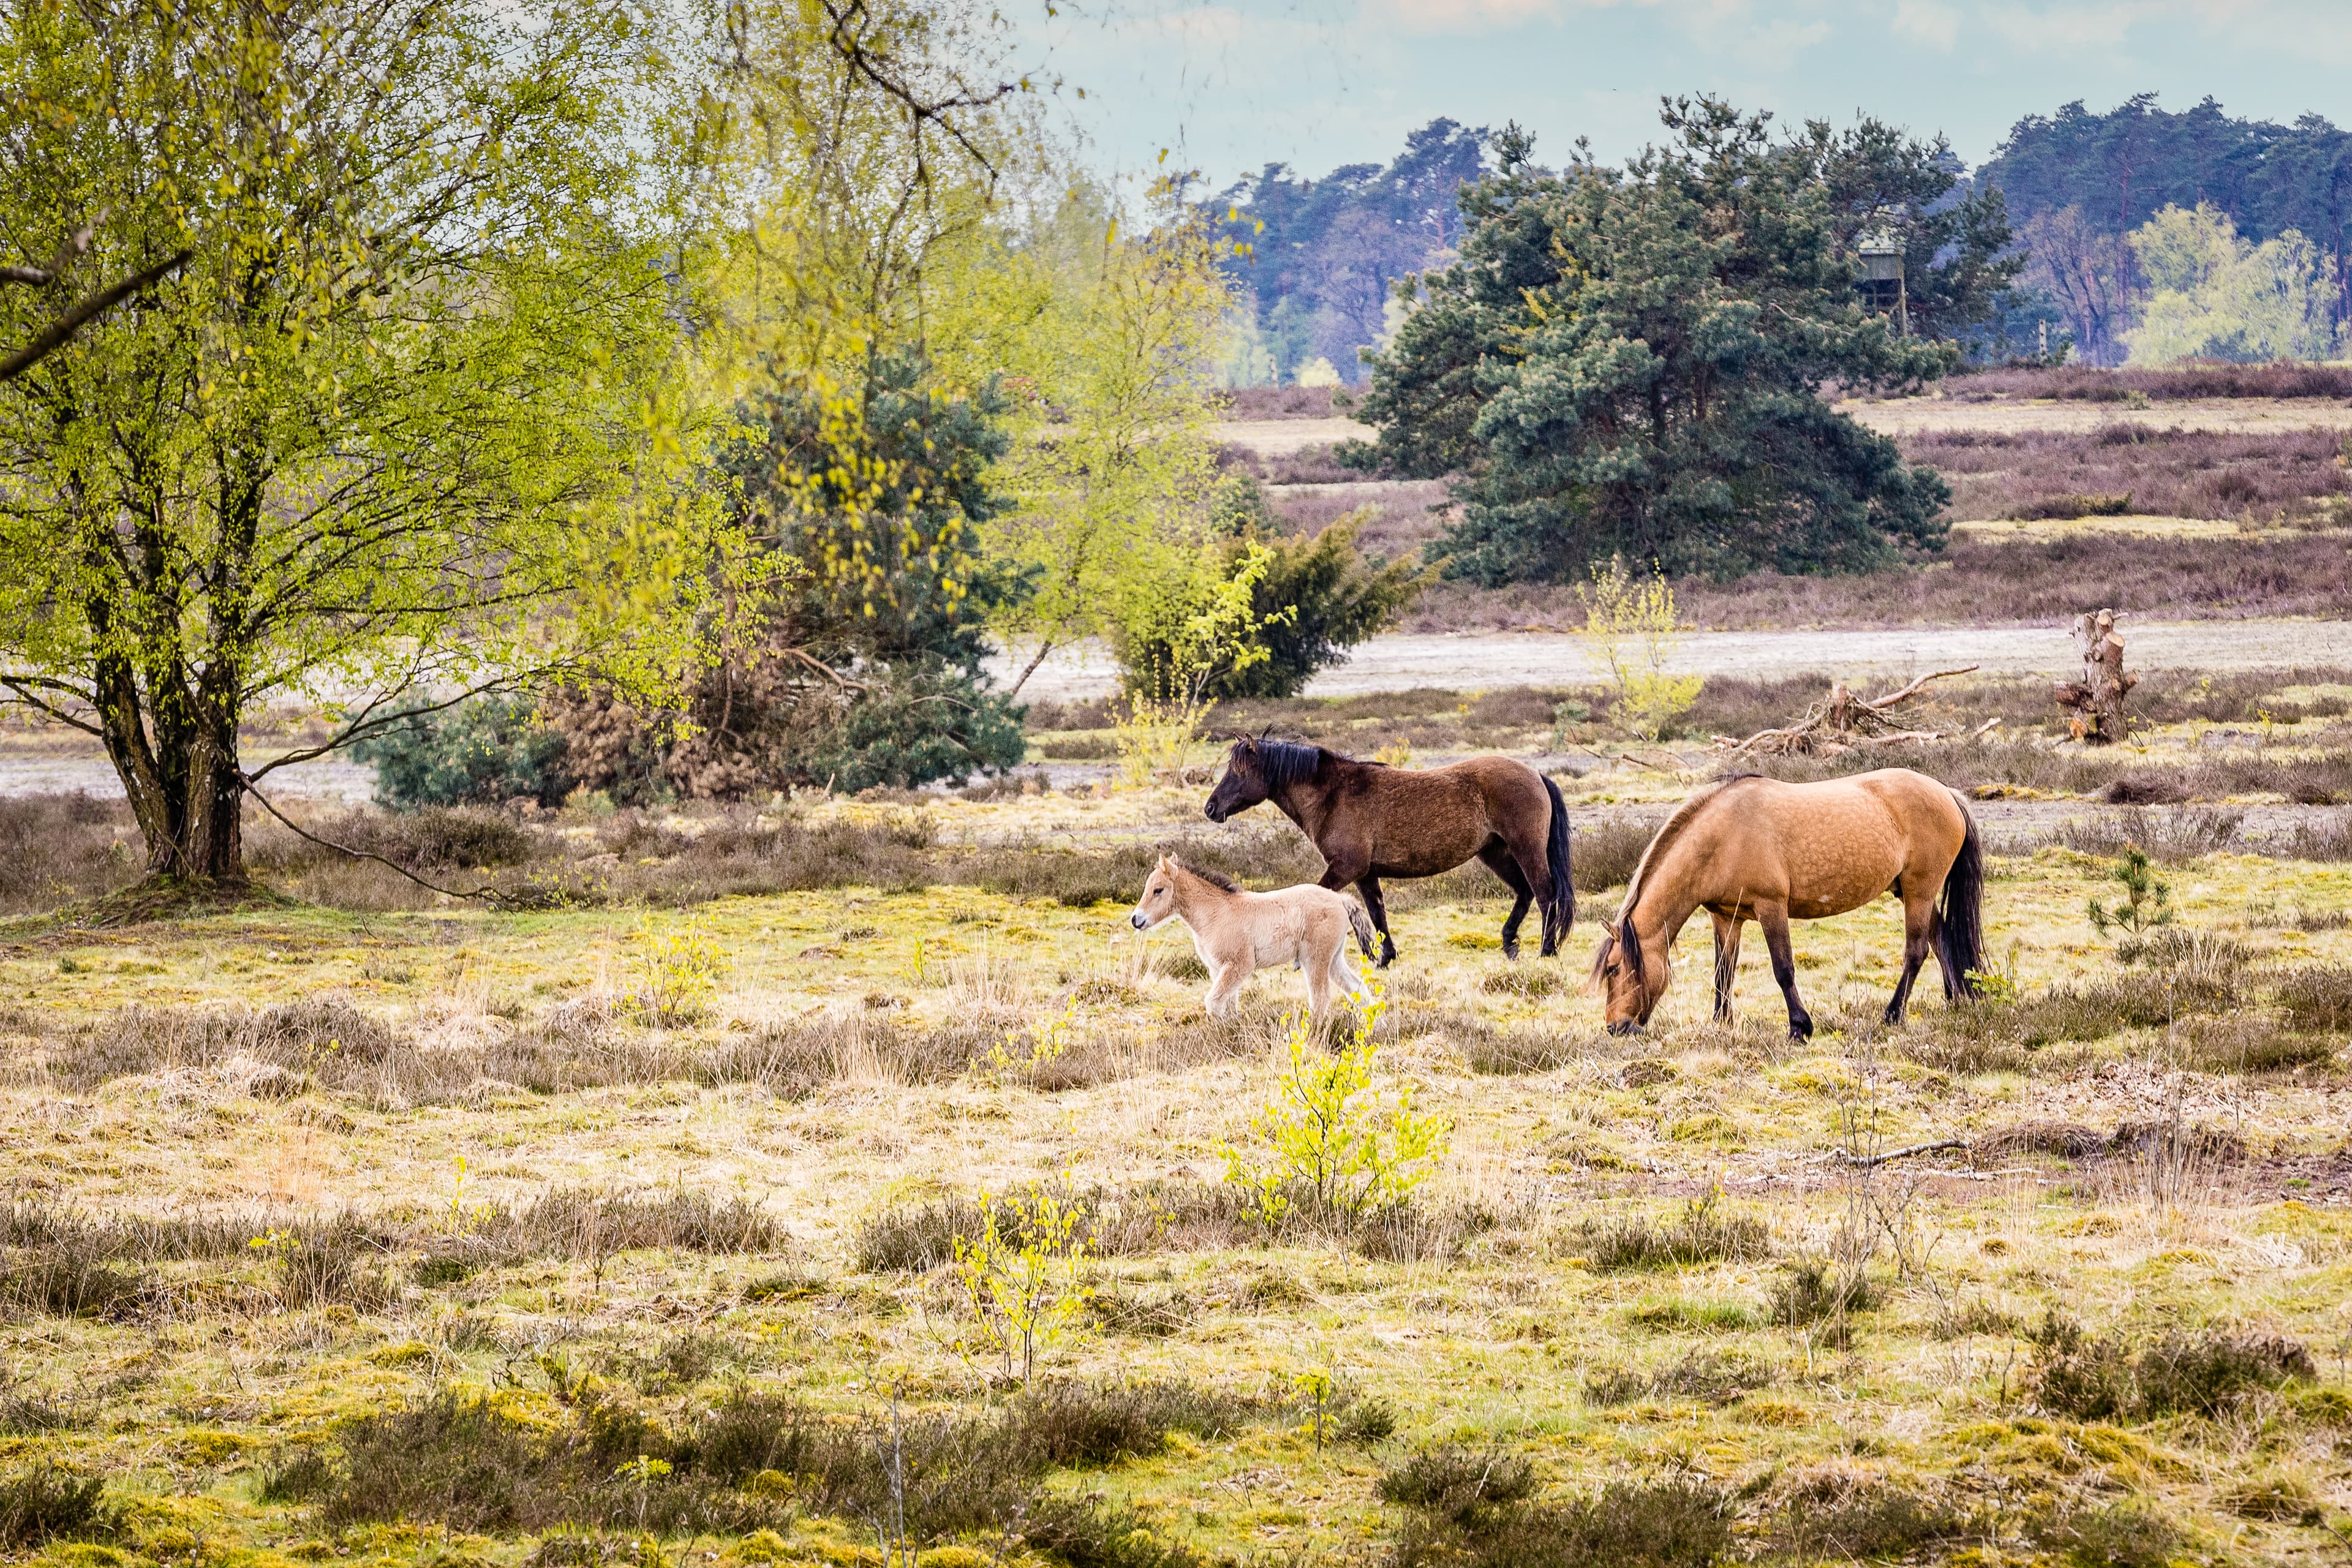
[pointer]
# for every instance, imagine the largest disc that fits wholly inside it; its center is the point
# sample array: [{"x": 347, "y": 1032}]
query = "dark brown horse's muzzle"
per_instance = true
[{"x": 1213, "y": 812}]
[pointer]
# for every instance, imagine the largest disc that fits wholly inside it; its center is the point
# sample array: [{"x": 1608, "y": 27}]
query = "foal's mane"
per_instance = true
[
  {"x": 1217, "y": 879},
  {"x": 1622, "y": 927}
]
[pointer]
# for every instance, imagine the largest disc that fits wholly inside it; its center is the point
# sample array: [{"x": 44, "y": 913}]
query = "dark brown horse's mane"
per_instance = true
[
  {"x": 1281, "y": 763},
  {"x": 1215, "y": 878}
]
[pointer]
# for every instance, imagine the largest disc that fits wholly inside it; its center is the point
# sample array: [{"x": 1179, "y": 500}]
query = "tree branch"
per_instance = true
[{"x": 60, "y": 331}]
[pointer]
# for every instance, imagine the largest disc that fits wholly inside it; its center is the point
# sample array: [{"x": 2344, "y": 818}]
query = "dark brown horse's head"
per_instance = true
[
  {"x": 1630, "y": 980},
  {"x": 1254, "y": 769}
]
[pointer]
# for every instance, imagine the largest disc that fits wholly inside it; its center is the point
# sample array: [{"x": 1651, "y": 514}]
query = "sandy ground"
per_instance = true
[
  {"x": 1489, "y": 662},
  {"x": 48, "y": 772},
  {"x": 1903, "y": 417},
  {"x": 1280, "y": 438}
]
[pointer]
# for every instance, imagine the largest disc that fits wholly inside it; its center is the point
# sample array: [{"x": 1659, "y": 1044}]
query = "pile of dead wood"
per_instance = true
[{"x": 1842, "y": 721}]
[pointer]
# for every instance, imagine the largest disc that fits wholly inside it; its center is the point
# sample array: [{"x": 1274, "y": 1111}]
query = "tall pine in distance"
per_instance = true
[{"x": 1631, "y": 361}]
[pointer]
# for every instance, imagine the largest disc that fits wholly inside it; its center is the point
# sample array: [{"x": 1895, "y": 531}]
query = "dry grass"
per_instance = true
[{"x": 698, "y": 1284}]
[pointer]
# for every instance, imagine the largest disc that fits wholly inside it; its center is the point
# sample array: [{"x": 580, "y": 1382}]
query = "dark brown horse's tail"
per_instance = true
[
  {"x": 1959, "y": 923},
  {"x": 1560, "y": 907}
]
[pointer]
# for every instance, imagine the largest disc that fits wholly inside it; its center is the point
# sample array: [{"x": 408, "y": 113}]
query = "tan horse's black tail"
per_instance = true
[
  {"x": 1959, "y": 915},
  {"x": 1560, "y": 909},
  {"x": 1361, "y": 924}
]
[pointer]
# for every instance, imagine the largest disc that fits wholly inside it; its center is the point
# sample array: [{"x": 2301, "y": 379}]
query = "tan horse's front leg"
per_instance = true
[
  {"x": 1727, "y": 962},
  {"x": 1774, "y": 918}
]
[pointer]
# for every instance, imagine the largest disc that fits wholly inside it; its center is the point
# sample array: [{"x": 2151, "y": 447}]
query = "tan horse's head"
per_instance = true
[
  {"x": 1159, "y": 901},
  {"x": 1630, "y": 980}
]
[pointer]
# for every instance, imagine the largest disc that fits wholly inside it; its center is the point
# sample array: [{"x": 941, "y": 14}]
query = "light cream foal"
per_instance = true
[{"x": 1237, "y": 932}]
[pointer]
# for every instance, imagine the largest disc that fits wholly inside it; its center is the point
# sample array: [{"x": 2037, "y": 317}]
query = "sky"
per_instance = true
[{"x": 1226, "y": 87}]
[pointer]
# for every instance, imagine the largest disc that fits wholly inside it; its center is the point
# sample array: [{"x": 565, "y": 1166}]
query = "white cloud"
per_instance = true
[
  {"x": 1928, "y": 22},
  {"x": 1466, "y": 16},
  {"x": 2071, "y": 27}
]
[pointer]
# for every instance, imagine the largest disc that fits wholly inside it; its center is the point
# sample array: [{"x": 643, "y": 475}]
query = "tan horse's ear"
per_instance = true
[{"x": 1592, "y": 982}]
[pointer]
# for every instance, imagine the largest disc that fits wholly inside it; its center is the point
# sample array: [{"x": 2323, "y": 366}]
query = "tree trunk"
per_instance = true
[
  {"x": 181, "y": 773},
  {"x": 2098, "y": 698}
]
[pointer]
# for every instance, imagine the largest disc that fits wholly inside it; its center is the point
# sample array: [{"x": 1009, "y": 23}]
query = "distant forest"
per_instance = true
[{"x": 2265, "y": 216}]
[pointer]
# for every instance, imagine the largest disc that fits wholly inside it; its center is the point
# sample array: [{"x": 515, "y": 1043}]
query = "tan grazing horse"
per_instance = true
[
  {"x": 1755, "y": 849},
  {"x": 1237, "y": 932}
]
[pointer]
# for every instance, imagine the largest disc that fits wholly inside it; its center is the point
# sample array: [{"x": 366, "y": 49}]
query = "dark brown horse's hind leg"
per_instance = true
[
  {"x": 1727, "y": 964},
  {"x": 1918, "y": 941},
  {"x": 1774, "y": 918},
  {"x": 1498, "y": 859},
  {"x": 1370, "y": 886}
]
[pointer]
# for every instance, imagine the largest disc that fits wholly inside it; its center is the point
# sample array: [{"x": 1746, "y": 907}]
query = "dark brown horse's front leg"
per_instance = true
[
  {"x": 1338, "y": 874},
  {"x": 1370, "y": 886},
  {"x": 1774, "y": 918}
]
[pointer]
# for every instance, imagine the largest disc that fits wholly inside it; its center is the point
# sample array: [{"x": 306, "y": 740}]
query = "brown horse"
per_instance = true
[
  {"x": 1757, "y": 849},
  {"x": 1372, "y": 821}
]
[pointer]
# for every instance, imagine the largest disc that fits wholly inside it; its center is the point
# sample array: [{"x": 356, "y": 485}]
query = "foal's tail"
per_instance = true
[
  {"x": 1560, "y": 909},
  {"x": 1360, "y": 923},
  {"x": 1959, "y": 925}
]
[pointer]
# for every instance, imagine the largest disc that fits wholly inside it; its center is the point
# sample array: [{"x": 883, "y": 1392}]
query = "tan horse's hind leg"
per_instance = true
[
  {"x": 1727, "y": 962},
  {"x": 1918, "y": 941},
  {"x": 1774, "y": 918}
]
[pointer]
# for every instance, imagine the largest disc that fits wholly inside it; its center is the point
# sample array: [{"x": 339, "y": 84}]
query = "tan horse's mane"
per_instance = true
[{"x": 1620, "y": 927}]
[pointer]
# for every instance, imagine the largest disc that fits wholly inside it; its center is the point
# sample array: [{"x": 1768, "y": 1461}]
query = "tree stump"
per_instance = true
[{"x": 2098, "y": 698}]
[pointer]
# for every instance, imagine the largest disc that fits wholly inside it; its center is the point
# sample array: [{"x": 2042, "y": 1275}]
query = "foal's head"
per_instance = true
[
  {"x": 1255, "y": 769},
  {"x": 1631, "y": 979},
  {"x": 1159, "y": 901}
]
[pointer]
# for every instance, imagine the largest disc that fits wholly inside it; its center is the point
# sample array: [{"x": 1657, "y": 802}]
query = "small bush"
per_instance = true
[
  {"x": 1838, "y": 1518},
  {"x": 2317, "y": 998},
  {"x": 2099, "y": 1379},
  {"x": 1463, "y": 1487},
  {"x": 1812, "y": 1288},
  {"x": 44, "y": 1503},
  {"x": 1710, "y": 1377},
  {"x": 71, "y": 1278},
  {"x": 1678, "y": 1522},
  {"x": 1602, "y": 855},
  {"x": 2117, "y": 1535},
  {"x": 1702, "y": 1232},
  {"x": 486, "y": 751}
]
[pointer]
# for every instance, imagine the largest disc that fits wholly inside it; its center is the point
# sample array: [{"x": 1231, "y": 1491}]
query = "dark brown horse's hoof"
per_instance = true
[{"x": 1801, "y": 1030}]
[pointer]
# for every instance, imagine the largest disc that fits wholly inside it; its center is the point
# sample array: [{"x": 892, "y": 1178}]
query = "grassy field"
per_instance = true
[{"x": 364, "y": 1223}]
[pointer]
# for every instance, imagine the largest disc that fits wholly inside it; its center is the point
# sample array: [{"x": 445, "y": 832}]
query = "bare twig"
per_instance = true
[
  {"x": 1871, "y": 1161},
  {"x": 489, "y": 895},
  {"x": 1843, "y": 720}
]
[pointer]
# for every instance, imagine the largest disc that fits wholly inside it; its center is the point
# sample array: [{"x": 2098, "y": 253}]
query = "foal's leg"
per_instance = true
[
  {"x": 1318, "y": 965},
  {"x": 1774, "y": 918},
  {"x": 1918, "y": 941},
  {"x": 1727, "y": 962},
  {"x": 1225, "y": 988},
  {"x": 1498, "y": 860}
]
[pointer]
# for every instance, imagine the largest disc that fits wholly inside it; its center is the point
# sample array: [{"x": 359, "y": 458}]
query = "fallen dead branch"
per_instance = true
[{"x": 1842, "y": 721}]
